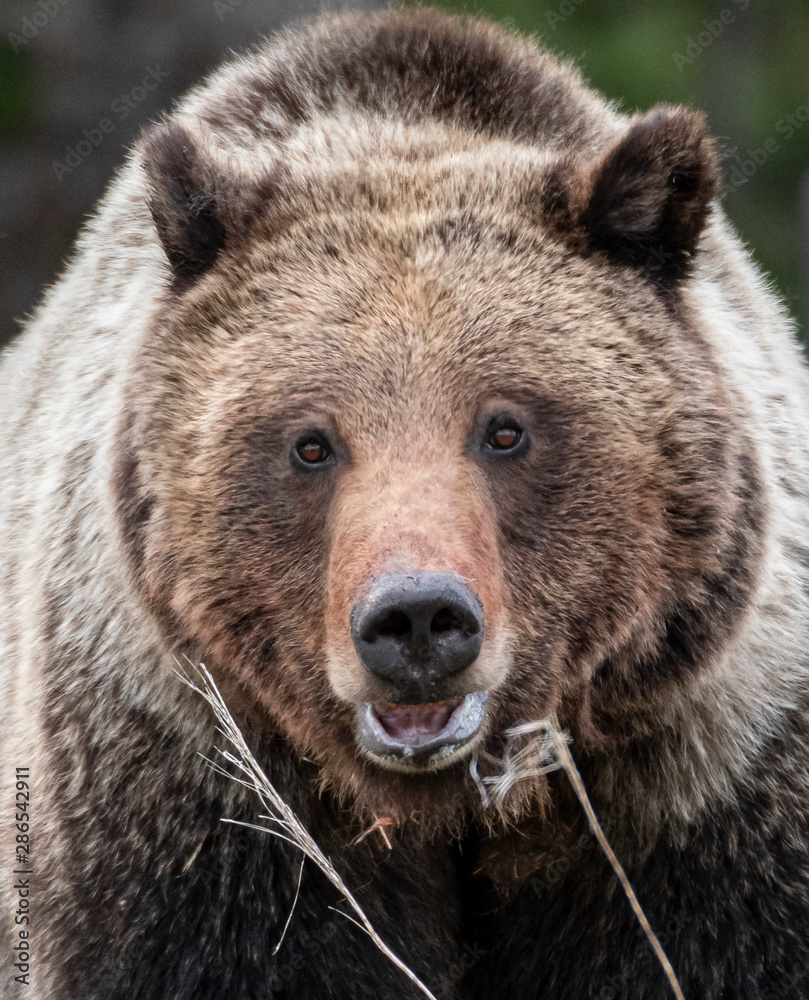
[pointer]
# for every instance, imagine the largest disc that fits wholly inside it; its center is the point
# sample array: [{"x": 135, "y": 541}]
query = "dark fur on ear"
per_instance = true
[
  {"x": 197, "y": 208},
  {"x": 646, "y": 201}
]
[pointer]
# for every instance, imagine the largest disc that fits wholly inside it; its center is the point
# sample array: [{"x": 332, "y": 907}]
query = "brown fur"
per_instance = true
[{"x": 387, "y": 228}]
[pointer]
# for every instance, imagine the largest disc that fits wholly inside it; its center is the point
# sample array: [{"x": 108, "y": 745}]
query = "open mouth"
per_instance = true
[{"x": 421, "y": 737}]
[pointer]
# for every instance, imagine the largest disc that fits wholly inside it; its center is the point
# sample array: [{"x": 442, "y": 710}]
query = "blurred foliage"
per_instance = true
[
  {"x": 16, "y": 92},
  {"x": 745, "y": 62}
]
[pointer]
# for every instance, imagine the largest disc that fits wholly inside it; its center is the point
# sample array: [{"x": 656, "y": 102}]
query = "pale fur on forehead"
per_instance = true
[{"x": 299, "y": 76}]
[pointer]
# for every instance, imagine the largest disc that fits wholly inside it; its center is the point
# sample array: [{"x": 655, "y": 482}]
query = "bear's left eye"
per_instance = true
[
  {"x": 312, "y": 450},
  {"x": 504, "y": 436}
]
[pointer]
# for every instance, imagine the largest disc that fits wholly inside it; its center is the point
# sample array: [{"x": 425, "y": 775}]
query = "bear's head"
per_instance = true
[{"x": 423, "y": 445}]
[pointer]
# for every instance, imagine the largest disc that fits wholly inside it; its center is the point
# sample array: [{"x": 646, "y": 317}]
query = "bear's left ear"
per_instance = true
[{"x": 646, "y": 201}]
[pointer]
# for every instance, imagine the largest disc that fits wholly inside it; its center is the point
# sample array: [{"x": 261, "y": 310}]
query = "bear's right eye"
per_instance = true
[
  {"x": 312, "y": 450},
  {"x": 504, "y": 436}
]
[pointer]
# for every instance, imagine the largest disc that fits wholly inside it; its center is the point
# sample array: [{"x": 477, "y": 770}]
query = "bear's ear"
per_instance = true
[
  {"x": 646, "y": 201},
  {"x": 197, "y": 207}
]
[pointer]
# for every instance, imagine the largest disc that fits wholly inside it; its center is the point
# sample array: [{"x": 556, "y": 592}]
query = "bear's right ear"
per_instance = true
[{"x": 197, "y": 208}]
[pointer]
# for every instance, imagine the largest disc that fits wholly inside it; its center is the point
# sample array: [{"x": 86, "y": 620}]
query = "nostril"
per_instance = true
[
  {"x": 446, "y": 620},
  {"x": 417, "y": 630},
  {"x": 391, "y": 625}
]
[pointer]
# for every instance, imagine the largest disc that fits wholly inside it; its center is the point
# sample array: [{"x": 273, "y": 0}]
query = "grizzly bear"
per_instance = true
[{"x": 418, "y": 392}]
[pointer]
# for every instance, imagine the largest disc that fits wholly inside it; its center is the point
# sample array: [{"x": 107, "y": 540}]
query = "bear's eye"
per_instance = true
[
  {"x": 504, "y": 439},
  {"x": 312, "y": 450},
  {"x": 504, "y": 436}
]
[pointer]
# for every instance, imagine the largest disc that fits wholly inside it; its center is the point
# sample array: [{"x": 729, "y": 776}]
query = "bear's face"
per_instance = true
[{"x": 413, "y": 475}]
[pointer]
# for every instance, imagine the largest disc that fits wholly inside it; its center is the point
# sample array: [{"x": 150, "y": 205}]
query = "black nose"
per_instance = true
[{"x": 417, "y": 630}]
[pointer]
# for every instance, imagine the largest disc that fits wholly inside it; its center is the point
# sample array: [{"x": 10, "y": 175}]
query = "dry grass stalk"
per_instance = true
[
  {"x": 287, "y": 826},
  {"x": 547, "y": 750}
]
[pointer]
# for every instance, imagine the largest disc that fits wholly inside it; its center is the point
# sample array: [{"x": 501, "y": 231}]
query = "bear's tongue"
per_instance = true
[{"x": 415, "y": 724}]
